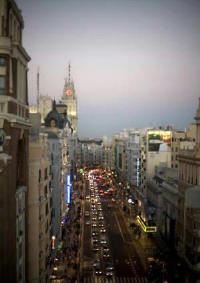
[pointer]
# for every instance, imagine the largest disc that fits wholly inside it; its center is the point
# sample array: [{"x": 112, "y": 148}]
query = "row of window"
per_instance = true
[
  {"x": 14, "y": 28},
  {"x": 3, "y": 64}
]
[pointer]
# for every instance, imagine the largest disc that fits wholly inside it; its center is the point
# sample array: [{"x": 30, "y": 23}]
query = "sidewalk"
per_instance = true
[
  {"x": 67, "y": 259},
  {"x": 146, "y": 245}
]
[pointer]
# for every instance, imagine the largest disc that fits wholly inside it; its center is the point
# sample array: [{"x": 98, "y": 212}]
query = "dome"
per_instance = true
[{"x": 53, "y": 118}]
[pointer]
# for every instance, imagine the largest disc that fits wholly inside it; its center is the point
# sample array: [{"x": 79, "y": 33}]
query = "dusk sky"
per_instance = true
[{"x": 135, "y": 63}]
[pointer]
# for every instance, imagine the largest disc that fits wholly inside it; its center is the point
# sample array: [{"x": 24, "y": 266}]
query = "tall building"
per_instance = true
[
  {"x": 39, "y": 201},
  {"x": 14, "y": 139},
  {"x": 107, "y": 152},
  {"x": 57, "y": 127},
  {"x": 155, "y": 148},
  {"x": 69, "y": 98},
  {"x": 188, "y": 218},
  {"x": 44, "y": 106}
]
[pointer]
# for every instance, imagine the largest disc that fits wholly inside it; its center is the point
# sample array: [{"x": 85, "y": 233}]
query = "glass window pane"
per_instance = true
[
  {"x": 2, "y": 61},
  {"x": 2, "y": 84}
]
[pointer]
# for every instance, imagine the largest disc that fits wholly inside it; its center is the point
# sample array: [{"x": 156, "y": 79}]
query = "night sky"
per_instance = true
[{"x": 135, "y": 63}]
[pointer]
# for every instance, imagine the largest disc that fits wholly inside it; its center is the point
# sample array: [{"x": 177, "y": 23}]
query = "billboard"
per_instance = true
[{"x": 158, "y": 137}]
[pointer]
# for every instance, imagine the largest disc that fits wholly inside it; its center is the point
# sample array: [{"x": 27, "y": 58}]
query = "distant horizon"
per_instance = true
[{"x": 145, "y": 127}]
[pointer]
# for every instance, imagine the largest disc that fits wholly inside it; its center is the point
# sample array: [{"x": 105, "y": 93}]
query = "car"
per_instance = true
[
  {"x": 87, "y": 197},
  {"x": 103, "y": 230},
  {"x": 87, "y": 213},
  {"x": 95, "y": 248},
  {"x": 101, "y": 218},
  {"x": 103, "y": 242},
  {"x": 96, "y": 263},
  {"x": 94, "y": 241},
  {"x": 106, "y": 249},
  {"x": 94, "y": 225},
  {"x": 98, "y": 272},
  {"x": 109, "y": 268},
  {"x": 106, "y": 255},
  {"x": 87, "y": 222},
  {"x": 109, "y": 273}
]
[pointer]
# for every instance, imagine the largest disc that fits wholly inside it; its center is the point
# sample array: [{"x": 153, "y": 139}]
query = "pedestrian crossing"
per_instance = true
[{"x": 115, "y": 279}]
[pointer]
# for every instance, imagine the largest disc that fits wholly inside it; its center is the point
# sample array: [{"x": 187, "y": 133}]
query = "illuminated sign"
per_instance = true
[
  {"x": 53, "y": 238},
  {"x": 146, "y": 229},
  {"x": 68, "y": 189},
  {"x": 138, "y": 172},
  {"x": 158, "y": 137}
]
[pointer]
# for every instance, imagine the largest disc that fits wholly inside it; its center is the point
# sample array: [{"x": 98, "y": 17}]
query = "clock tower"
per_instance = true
[{"x": 69, "y": 98}]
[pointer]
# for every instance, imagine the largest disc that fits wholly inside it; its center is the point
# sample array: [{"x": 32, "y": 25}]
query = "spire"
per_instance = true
[
  {"x": 38, "y": 86},
  {"x": 69, "y": 72},
  {"x": 54, "y": 104}
]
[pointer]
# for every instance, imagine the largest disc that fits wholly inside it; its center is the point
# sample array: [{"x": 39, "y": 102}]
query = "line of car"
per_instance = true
[{"x": 102, "y": 264}]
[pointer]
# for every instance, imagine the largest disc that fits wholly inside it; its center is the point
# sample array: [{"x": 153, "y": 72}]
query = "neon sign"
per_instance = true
[
  {"x": 146, "y": 229},
  {"x": 68, "y": 190}
]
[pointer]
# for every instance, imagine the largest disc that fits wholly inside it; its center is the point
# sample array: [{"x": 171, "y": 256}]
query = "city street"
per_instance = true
[{"x": 123, "y": 256}]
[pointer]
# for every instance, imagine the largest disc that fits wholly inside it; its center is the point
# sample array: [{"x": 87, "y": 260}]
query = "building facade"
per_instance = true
[
  {"x": 58, "y": 129},
  {"x": 163, "y": 195},
  {"x": 14, "y": 137},
  {"x": 39, "y": 203},
  {"x": 188, "y": 219}
]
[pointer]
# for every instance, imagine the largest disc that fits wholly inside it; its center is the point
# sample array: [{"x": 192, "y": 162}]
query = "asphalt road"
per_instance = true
[{"x": 124, "y": 258}]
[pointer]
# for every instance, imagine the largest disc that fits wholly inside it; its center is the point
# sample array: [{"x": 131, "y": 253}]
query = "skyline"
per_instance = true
[{"x": 127, "y": 58}]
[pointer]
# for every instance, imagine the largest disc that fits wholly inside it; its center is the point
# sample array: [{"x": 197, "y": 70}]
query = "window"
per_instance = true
[
  {"x": 39, "y": 177},
  {"x": 2, "y": 84},
  {"x": 47, "y": 209},
  {"x": 2, "y": 62},
  {"x": 45, "y": 173},
  {"x": 45, "y": 190},
  {"x": 2, "y": 107}
]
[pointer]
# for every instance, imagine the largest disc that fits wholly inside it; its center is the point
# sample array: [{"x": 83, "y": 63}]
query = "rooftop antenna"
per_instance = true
[{"x": 38, "y": 86}]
